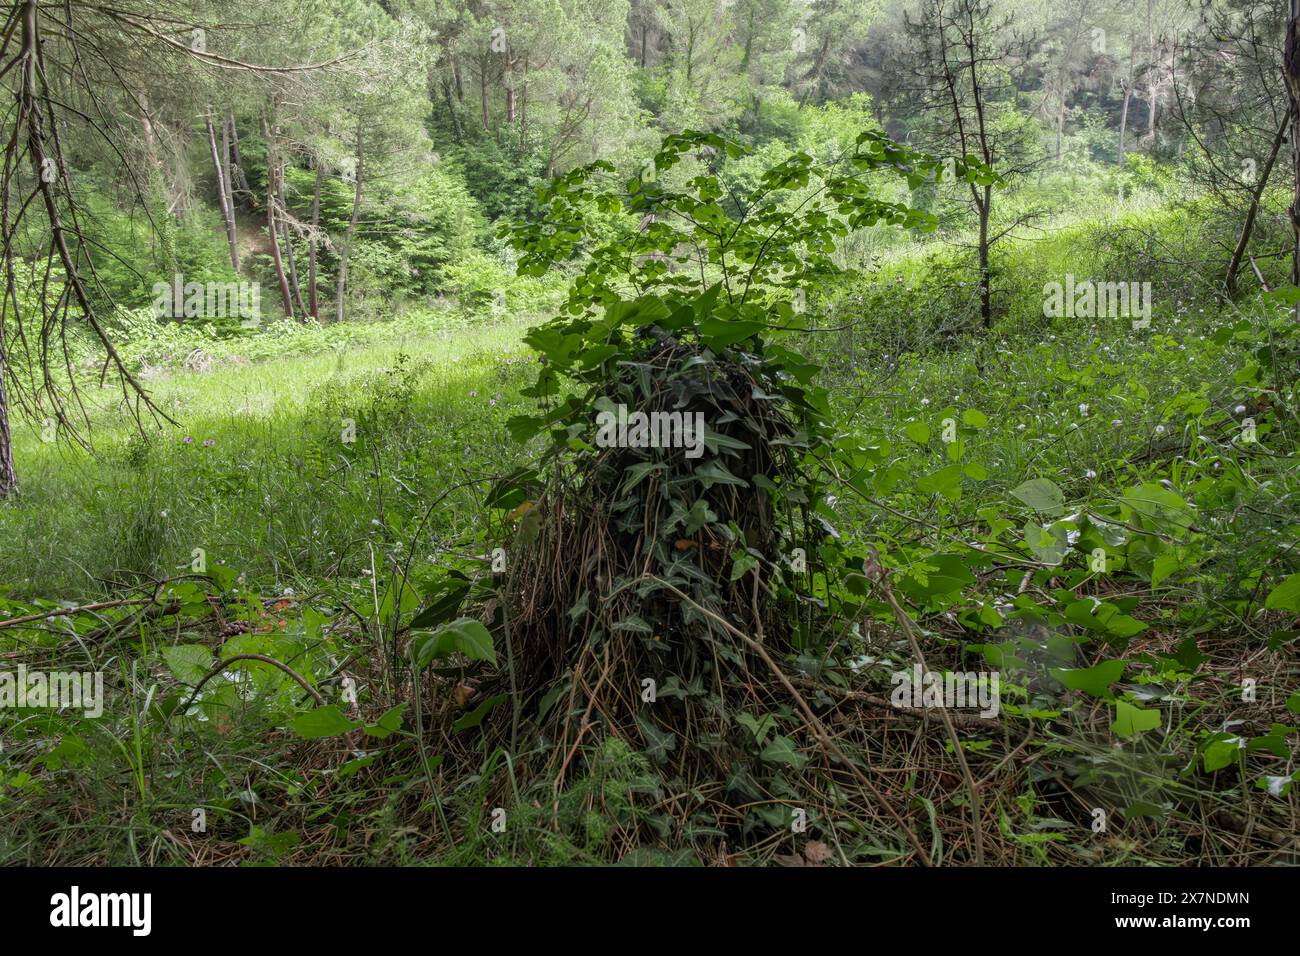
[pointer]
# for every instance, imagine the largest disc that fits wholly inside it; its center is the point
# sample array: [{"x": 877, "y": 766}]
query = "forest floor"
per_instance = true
[{"x": 306, "y": 506}]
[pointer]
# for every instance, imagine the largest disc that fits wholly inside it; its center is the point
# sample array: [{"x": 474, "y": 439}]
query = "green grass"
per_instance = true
[{"x": 277, "y": 491}]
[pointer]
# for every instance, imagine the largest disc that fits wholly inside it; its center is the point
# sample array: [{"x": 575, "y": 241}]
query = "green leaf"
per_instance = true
[
  {"x": 189, "y": 662},
  {"x": 1286, "y": 596},
  {"x": 511, "y": 491},
  {"x": 937, "y": 574},
  {"x": 719, "y": 333},
  {"x": 1094, "y": 680},
  {"x": 658, "y": 743},
  {"x": 1049, "y": 545},
  {"x": 698, "y": 517},
  {"x": 475, "y": 717},
  {"x": 327, "y": 721},
  {"x": 388, "y": 724},
  {"x": 1103, "y": 617},
  {"x": 465, "y": 635},
  {"x": 945, "y": 481},
  {"x": 760, "y": 727},
  {"x": 1041, "y": 494},
  {"x": 715, "y": 473},
  {"x": 633, "y": 475},
  {"x": 445, "y": 600},
  {"x": 781, "y": 751},
  {"x": 1162, "y": 508},
  {"x": 1131, "y": 720},
  {"x": 1220, "y": 751},
  {"x": 742, "y": 564},
  {"x": 918, "y": 432}
]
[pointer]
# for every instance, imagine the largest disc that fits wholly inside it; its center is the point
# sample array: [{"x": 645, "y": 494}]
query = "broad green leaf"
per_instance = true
[
  {"x": 1131, "y": 720},
  {"x": 444, "y": 601},
  {"x": 918, "y": 432},
  {"x": 189, "y": 662},
  {"x": 1286, "y": 596},
  {"x": 465, "y": 635},
  {"x": 945, "y": 481},
  {"x": 1041, "y": 494},
  {"x": 1094, "y": 680},
  {"x": 327, "y": 721}
]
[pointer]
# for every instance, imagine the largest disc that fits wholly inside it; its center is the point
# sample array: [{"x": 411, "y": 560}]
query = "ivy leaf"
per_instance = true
[
  {"x": 715, "y": 473},
  {"x": 698, "y": 517},
  {"x": 781, "y": 751},
  {"x": 1091, "y": 680},
  {"x": 760, "y": 727},
  {"x": 742, "y": 564},
  {"x": 386, "y": 725},
  {"x": 1131, "y": 720},
  {"x": 658, "y": 743}
]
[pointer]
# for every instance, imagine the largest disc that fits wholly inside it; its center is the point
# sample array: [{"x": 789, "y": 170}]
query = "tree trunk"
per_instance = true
[
  {"x": 1291, "y": 73},
  {"x": 347, "y": 239},
  {"x": 272, "y": 232},
  {"x": 237, "y": 176},
  {"x": 288, "y": 250},
  {"x": 1060, "y": 125},
  {"x": 1239, "y": 253},
  {"x": 8, "y": 474},
  {"x": 523, "y": 111},
  {"x": 451, "y": 112},
  {"x": 1123, "y": 122},
  {"x": 986, "y": 294},
  {"x": 293, "y": 270},
  {"x": 227, "y": 214},
  {"x": 313, "y": 304}
]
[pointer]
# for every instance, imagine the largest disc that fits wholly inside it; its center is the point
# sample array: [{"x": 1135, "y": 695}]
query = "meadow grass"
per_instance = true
[{"x": 255, "y": 470}]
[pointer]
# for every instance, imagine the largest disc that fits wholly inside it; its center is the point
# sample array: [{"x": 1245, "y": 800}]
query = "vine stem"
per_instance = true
[{"x": 320, "y": 701}]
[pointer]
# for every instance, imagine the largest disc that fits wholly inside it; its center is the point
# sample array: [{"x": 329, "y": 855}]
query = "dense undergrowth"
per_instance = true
[{"x": 1106, "y": 517}]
